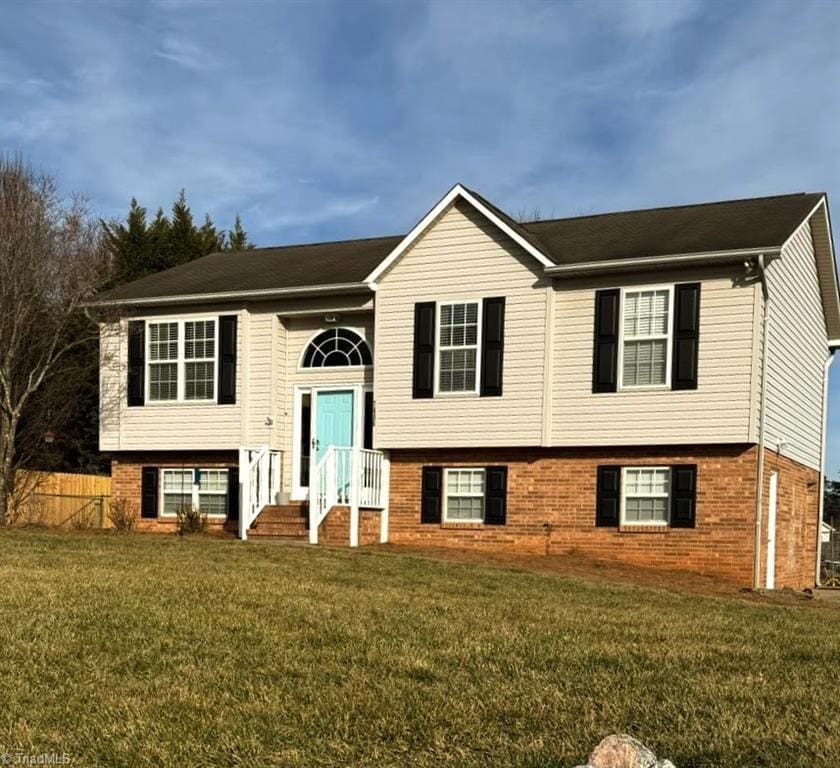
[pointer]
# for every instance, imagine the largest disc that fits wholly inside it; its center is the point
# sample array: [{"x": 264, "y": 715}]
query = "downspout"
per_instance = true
[
  {"x": 821, "y": 502},
  {"x": 759, "y": 480}
]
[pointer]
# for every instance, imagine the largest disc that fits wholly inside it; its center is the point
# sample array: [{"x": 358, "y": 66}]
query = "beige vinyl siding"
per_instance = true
[
  {"x": 462, "y": 256},
  {"x": 299, "y": 331},
  {"x": 161, "y": 426},
  {"x": 263, "y": 333},
  {"x": 717, "y": 411},
  {"x": 796, "y": 353}
]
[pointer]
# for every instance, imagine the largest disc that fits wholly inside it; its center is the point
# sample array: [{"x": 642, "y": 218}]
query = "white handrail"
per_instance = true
[
  {"x": 346, "y": 476},
  {"x": 259, "y": 478},
  {"x": 323, "y": 495}
]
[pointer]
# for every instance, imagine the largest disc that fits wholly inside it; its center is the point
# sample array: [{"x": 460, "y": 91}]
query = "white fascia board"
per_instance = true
[
  {"x": 257, "y": 294},
  {"x": 672, "y": 259},
  {"x": 421, "y": 226},
  {"x": 825, "y": 272}
]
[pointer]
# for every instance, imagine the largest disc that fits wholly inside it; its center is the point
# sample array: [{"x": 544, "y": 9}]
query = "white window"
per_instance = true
[
  {"x": 458, "y": 337},
  {"x": 463, "y": 496},
  {"x": 163, "y": 361},
  {"x": 646, "y": 495},
  {"x": 200, "y": 360},
  {"x": 182, "y": 357},
  {"x": 179, "y": 489},
  {"x": 646, "y": 338}
]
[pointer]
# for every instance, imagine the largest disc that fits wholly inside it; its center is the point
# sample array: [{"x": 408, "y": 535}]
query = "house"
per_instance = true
[{"x": 618, "y": 385}]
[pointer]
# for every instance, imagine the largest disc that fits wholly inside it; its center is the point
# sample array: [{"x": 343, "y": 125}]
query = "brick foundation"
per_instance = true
[
  {"x": 551, "y": 509},
  {"x": 335, "y": 529},
  {"x": 125, "y": 478}
]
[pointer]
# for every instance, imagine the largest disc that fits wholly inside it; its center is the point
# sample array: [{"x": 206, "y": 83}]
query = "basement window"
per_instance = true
[
  {"x": 646, "y": 495},
  {"x": 205, "y": 489},
  {"x": 464, "y": 496}
]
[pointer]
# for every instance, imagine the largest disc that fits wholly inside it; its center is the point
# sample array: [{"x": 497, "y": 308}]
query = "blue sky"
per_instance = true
[{"x": 325, "y": 120}]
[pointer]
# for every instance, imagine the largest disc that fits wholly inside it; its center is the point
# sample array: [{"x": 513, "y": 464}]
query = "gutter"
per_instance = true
[
  {"x": 257, "y": 294},
  {"x": 821, "y": 502},
  {"x": 672, "y": 259}
]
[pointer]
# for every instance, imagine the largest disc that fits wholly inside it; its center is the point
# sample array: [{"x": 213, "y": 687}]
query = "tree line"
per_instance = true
[{"x": 55, "y": 255}]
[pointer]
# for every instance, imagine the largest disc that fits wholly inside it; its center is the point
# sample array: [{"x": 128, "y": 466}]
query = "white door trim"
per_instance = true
[
  {"x": 773, "y": 493},
  {"x": 300, "y": 492}
]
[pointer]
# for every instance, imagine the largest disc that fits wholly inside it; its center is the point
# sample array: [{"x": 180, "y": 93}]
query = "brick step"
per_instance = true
[
  {"x": 286, "y": 522},
  {"x": 277, "y": 532},
  {"x": 284, "y": 512}
]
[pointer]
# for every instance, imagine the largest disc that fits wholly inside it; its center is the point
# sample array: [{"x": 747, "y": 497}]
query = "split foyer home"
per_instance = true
[{"x": 645, "y": 386}]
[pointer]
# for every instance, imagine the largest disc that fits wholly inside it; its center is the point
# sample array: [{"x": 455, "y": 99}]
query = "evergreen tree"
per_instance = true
[
  {"x": 237, "y": 238},
  {"x": 139, "y": 248},
  {"x": 129, "y": 245}
]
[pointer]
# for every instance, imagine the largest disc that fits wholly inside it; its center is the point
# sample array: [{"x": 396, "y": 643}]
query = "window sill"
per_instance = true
[
  {"x": 630, "y": 528},
  {"x": 465, "y": 526},
  {"x": 174, "y": 518},
  {"x": 456, "y": 395},
  {"x": 174, "y": 403}
]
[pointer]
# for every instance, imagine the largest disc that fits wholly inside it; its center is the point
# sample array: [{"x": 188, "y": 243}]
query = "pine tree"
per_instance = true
[
  {"x": 128, "y": 244},
  {"x": 139, "y": 248},
  {"x": 237, "y": 238}
]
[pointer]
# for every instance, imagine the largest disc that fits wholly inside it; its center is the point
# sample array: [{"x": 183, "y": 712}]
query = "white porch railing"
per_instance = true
[
  {"x": 353, "y": 477},
  {"x": 259, "y": 481}
]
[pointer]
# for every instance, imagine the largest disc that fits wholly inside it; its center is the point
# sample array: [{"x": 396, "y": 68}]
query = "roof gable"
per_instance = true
[{"x": 513, "y": 230}]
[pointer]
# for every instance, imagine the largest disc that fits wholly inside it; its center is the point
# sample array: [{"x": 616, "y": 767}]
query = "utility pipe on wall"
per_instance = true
[
  {"x": 821, "y": 500},
  {"x": 762, "y": 265}
]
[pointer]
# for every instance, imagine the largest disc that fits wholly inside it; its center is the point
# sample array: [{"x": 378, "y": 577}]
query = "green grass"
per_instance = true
[{"x": 137, "y": 651}]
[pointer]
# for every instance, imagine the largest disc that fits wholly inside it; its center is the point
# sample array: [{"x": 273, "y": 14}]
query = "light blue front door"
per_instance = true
[{"x": 333, "y": 420}]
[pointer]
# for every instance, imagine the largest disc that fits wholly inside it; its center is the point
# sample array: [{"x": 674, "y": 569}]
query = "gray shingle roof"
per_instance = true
[{"x": 763, "y": 222}]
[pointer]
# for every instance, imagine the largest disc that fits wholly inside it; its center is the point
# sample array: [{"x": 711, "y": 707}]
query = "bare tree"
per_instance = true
[{"x": 51, "y": 260}]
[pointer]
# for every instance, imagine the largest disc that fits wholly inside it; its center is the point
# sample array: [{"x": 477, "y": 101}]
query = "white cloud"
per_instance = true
[{"x": 186, "y": 53}]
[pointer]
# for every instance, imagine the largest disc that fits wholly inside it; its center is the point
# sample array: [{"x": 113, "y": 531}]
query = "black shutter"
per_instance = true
[
  {"x": 136, "y": 362},
  {"x": 608, "y": 498},
  {"x": 495, "y": 496},
  {"x": 430, "y": 495},
  {"x": 492, "y": 346},
  {"x": 424, "y": 349},
  {"x": 149, "y": 492},
  {"x": 368, "y": 431},
  {"x": 227, "y": 359},
  {"x": 605, "y": 356},
  {"x": 686, "y": 336},
  {"x": 683, "y": 495},
  {"x": 233, "y": 494}
]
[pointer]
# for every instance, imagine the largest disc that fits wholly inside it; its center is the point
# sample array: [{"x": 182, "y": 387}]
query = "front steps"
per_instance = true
[{"x": 281, "y": 521}]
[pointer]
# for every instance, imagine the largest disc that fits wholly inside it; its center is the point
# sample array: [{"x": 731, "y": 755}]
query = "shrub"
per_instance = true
[
  {"x": 190, "y": 520},
  {"x": 82, "y": 522},
  {"x": 122, "y": 513}
]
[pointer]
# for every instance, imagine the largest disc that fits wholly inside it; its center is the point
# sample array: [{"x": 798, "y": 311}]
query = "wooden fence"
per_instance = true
[{"x": 61, "y": 500}]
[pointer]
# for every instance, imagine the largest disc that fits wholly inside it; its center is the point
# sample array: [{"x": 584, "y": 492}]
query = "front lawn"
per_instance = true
[{"x": 141, "y": 651}]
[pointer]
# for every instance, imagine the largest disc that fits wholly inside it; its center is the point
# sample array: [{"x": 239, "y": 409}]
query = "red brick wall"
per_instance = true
[
  {"x": 797, "y": 510},
  {"x": 126, "y": 469},
  {"x": 551, "y": 509},
  {"x": 335, "y": 529}
]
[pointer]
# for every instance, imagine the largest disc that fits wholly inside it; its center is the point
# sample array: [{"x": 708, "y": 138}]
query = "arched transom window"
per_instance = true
[{"x": 337, "y": 347}]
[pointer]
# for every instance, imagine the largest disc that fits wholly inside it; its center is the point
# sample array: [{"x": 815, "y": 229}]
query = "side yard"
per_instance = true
[{"x": 141, "y": 651}]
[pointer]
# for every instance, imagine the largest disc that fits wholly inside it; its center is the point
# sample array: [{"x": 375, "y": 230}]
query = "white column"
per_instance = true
[
  {"x": 244, "y": 493},
  {"x": 355, "y": 483},
  {"x": 314, "y": 497},
  {"x": 385, "y": 496}
]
